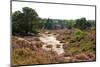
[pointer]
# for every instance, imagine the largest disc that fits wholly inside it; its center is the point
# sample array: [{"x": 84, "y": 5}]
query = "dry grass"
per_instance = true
[
  {"x": 78, "y": 46},
  {"x": 25, "y": 53}
]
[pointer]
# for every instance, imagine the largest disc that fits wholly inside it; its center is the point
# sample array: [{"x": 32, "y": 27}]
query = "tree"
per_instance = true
[
  {"x": 82, "y": 24},
  {"x": 25, "y": 22},
  {"x": 49, "y": 24}
]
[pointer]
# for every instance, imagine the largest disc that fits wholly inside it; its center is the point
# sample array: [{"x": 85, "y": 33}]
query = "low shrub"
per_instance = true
[{"x": 79, "y": 34}]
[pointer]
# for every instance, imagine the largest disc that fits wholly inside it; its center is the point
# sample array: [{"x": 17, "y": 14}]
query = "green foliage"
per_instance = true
[
  {"x": 27, "y": 21},
  {"x": 49, "y": 24},
  {"x": 54, "y": 24},
  {"x": 24, "y": 22},
  {"x": 86, "y": 46},
  {"x": 79, "y": 34},
  {"x": 80, "y": 23},
  {"x": 83, "y": 24}
]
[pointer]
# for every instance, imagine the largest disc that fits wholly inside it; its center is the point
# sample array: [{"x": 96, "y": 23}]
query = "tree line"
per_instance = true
[{"x": 28, "y": 22}]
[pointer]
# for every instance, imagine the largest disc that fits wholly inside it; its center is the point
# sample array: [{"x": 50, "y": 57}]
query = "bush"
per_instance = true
[{"x": 79, "y": 34}]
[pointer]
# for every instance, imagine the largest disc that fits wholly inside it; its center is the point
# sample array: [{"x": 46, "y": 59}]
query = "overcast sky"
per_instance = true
[{"x": 57, "y": 11}]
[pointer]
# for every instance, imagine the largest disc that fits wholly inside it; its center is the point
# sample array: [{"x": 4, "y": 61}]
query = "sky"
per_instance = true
[{"x": 57, "y": 11}]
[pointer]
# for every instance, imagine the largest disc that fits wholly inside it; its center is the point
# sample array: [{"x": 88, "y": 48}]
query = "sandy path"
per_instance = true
[{"x": 50, "y": 40}]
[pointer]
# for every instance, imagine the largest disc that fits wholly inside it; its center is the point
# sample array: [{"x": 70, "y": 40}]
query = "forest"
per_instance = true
[{"x": 37, "y": 40}]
